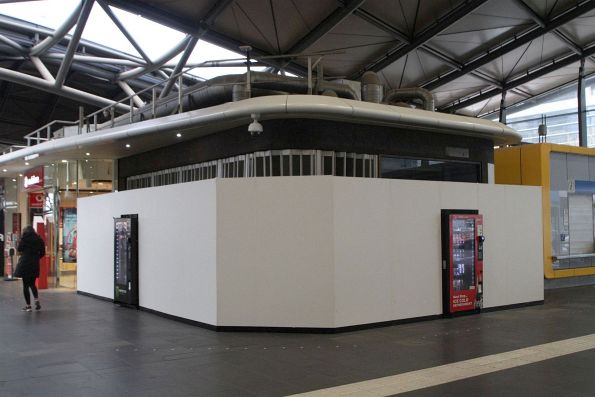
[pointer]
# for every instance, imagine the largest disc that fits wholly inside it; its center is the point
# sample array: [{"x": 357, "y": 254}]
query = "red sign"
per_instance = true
[
  {"x": 33, "y": 179},
  {"x": 36, "y": 200},
  {"x": 16, "y": 223}
]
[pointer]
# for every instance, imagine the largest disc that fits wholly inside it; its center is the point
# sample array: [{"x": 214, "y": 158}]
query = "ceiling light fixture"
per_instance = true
[
  {"x": 31, "y": 156},
  {"x": 179, "y": 135},
  {"x": 87, "y": 154},
  {"x": 127, "y": 145}
]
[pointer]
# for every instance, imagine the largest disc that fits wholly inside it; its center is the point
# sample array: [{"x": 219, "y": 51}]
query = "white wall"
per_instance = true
[
  {"x": 388, "y": 246},
  {"x": 177, "y": 247},
  {"x": 315, "y": 251},
  {"x": 275, "y": 252}
]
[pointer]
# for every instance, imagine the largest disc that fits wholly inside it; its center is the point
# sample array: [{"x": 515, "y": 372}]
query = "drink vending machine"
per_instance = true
[
  {"x": 462, "y": 261},
  {"x": 126, "y": 260}
]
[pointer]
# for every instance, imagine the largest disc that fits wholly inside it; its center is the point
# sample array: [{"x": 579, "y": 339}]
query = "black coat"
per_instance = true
[{"x": 31, "y": 248}]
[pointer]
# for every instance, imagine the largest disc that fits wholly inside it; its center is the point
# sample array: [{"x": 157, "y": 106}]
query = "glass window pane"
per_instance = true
[
  {"x": 359, "y": 167},
  {"x": 285, "y": 165},
  {"x": 340, "y": 166},
  {"x": 259, "y": 166},
  {"x": 295, "y": 165},
  {"x": 349, "y": 166},
  {"x": 267, "y": 165},
  {"x": 306, "y": 164},
  {"x": 241, "y": 168},
  {"x": 327, "y": 165},
  {"x": 276, "y": 165}
]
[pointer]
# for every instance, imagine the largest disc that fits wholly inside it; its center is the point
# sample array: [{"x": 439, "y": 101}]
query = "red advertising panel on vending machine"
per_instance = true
[{"x": 462, "y": 261}]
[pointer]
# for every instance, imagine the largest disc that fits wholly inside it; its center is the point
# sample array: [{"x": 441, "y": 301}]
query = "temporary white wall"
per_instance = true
[
  {"x": 309, "y": 251},
  {"x": 177, "y": 247}
]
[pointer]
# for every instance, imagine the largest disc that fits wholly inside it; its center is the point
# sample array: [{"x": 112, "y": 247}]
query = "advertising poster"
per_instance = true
[{"x": 69, "y": 236}]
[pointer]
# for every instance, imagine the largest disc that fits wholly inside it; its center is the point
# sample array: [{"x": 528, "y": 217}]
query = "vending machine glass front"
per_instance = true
[{"x": 463, "y": 260}]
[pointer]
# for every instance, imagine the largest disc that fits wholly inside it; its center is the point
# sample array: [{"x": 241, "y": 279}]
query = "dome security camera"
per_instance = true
[{"x": 255, "y": 127}]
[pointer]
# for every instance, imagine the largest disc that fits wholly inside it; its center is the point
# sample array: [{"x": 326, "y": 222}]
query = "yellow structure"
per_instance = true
[{"x": 532, "y": 165}]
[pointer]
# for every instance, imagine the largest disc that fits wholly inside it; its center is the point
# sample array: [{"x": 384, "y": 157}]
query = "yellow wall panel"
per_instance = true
[
  {"x": 530, "y": 165},
  {"x": 507, "y": 166}
]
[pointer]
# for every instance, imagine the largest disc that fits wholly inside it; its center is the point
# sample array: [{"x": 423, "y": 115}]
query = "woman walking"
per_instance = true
[{"x": 31, "y": 248}]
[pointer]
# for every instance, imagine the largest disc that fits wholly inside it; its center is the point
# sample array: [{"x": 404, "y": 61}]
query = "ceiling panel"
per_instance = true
[
  {"x": 252, "y": 22},
  {"x": 548, "y": 9},
  {"x": 410, "y": 71},
  {"x": 411, "y": 16},
  {"x": 488, "y": 26},
  {"x": 537, "y": 52},
  {"x": 581, "y": 30},
  {"x": 552, "y": 80},
  {"x": 354, "y": 42},
  {"x": 459, "y": 88}
]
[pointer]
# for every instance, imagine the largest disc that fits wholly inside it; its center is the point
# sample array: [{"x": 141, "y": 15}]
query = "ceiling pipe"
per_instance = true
[
  {"x": 398, "y": 94},
  {"x": 58, "y": 34},
  {"x": 67, "y": 92}
]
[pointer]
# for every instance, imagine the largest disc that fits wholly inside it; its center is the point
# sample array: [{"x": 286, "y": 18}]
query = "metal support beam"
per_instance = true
[
  {"x": 67, "y": 92},
  {"x": 32, "y": 29},
  {"x": 520, "y": 40},
  {"x": 74, "y": 42},
  {"x": 187, "y": 52},
  {"x": 515, "y": 82},
  {"x": 58, "y": 34},
  {"x": 125, "y": 32},
  {"x": 136, "y": 72},
  {"x": 130, "y": 92},
  {"x": 19, "y": 49},
  {"x": 93, "y": 59},
  {"x": 400, "y": 51},
  {"x": 190, "y": 27},
  {"x": 543, "y": 23},
  {"x": 43, "y": 71},
  {"x": 502, "y": 117},
  {"x": 582, "y": 107},
  {"x": 328, "y": 24},
  {"x": 382, "y": 25}
]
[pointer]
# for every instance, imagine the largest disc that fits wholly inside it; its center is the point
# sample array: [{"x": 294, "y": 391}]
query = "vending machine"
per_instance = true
[
  {"x": 126, "y": 260},
  {"x": 462, "y": 261}
]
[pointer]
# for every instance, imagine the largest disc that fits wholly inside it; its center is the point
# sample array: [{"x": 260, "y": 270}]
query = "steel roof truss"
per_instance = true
[
  {"x": 398, "y": 52},
  {"x": 74, "y": 42},
  {"x": 524, "y": 38},
  {"x": 57, "y": 35},
  {"x": 523, "y": 79},
  {"x": 328, "y": 24},
  {"x": 187, "y": 51},
  {"x": 124, "y": 31}
]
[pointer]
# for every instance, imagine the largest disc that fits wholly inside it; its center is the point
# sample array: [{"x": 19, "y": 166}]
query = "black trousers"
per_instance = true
[{"x": 29, "y": 282}]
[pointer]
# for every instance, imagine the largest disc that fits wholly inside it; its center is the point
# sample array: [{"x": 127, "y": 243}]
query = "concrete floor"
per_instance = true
[{"x": 81, "y": 346}]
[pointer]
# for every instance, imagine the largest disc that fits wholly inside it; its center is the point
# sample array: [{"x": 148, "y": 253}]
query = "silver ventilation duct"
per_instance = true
[
  {"x": 372, "y": 89},
  {"x": 400, "y": 94},
  {"x": 230, "y": 88}
]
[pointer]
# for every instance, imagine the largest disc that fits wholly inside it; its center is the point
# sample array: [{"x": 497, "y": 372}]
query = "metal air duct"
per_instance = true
[
  {"x": 372, "y": 89},
  {"x": 400, "y": 94}
]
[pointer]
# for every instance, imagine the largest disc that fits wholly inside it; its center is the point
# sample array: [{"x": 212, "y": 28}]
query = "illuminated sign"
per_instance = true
[
  {"x": 36, "y": 200},
  {"x": 33, "y": 178}
]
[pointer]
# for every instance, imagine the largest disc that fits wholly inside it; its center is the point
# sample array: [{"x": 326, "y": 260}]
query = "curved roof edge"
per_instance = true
[{"x": 149, "y": 134}]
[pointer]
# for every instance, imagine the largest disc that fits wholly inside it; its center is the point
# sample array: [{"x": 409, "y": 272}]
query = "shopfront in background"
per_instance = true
[{"x": 45, "y": 197}]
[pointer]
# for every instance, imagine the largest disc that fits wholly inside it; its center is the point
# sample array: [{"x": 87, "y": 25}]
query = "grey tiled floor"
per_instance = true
[{"x": 80, "y": 346}]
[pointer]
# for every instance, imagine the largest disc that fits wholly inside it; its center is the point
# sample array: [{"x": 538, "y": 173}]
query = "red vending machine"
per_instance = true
[{"x": 462, "y": 261}]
